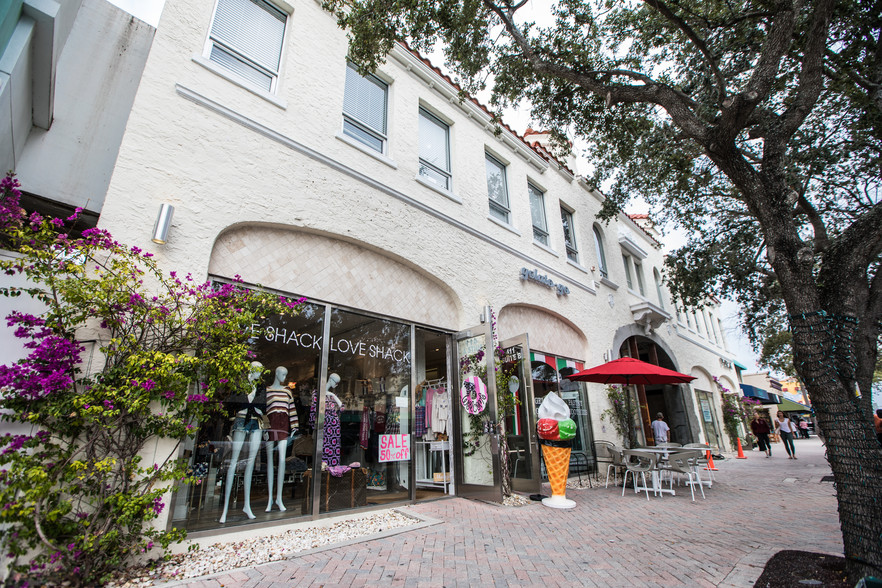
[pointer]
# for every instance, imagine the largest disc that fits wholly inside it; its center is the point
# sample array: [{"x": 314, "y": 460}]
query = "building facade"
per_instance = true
[{"x": 420, "y": 238}]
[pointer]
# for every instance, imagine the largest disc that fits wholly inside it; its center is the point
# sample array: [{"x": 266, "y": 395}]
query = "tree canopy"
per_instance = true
[{"x": 755, "y": 124}]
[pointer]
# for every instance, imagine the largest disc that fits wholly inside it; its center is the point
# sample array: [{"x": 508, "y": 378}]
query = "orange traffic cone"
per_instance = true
[
  {"x": 710, "y": 462},
  {"x": 740, "y": 451}
]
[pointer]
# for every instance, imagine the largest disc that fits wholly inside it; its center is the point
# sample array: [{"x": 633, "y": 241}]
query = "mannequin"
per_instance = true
[
  {"x": 245, "y": 425},
  {"x": 333, "y": 380},
  {"x": 283, "y": 423},
  {"x": 333, "y": 406}
]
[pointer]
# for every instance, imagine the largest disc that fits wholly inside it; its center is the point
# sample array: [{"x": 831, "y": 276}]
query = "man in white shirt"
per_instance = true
[{"x": 660, "y": 429}]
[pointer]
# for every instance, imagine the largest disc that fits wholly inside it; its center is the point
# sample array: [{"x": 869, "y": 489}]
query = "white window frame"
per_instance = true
[
  {"x": 638, "y": 272},
  {"x": 227, "y": 47},
  {"x": 601, "y": 253},
  {"x": 629, "y": 280},
  {"x": 540, "y": 232},
  {"x": 658, "y": 287},
  {"x": 569, "y": 230},
  {"x": 446, "y": 174},
  {"x": 498, "y": 210},
  {"x": 352, "y": 124}
]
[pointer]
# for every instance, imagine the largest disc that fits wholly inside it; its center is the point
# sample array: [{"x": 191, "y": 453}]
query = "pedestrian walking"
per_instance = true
[
  {"x": 761, "y": 430},
  {"x": 785, "y": 427},
  {"x": 660, "y": 429},
  {"x": 803, "y": 429}
]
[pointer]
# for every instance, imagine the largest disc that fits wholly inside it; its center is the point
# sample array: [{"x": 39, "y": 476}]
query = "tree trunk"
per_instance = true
[
  {"x": 821, "y": 349},
  {"x": 504, "y": 471}
]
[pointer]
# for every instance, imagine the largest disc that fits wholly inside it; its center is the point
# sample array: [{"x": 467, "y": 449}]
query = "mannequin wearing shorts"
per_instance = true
[
  {"x": 246, "y": 425},
  {"x": 282, "y": 415}
]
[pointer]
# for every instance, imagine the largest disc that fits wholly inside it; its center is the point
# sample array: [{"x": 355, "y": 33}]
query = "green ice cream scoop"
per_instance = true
[{"x": 567, "y": 429}]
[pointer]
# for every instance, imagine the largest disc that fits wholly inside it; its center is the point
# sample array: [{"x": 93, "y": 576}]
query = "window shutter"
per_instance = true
[
  {"x": 253, "y": 28},
  {"x": 364, "y": 100},
  {"x": 433, "y": 142}
]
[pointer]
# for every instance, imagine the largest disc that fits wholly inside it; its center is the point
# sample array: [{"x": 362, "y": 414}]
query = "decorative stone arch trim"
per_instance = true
[
  {"x": 328, "y": 268},
  {"x": 548, "y": 331}
]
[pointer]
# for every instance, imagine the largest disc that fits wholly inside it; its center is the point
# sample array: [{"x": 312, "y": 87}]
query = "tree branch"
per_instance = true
[
  {"x": 660, "y": 94},
  {"x": 811, "y": 77},
  {"x": 696, "y": 40}
]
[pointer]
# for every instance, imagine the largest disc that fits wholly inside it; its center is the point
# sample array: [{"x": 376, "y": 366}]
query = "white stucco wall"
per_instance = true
[
  {"x": 97, "y": 76},
  {"x": 227, "y": 157}
]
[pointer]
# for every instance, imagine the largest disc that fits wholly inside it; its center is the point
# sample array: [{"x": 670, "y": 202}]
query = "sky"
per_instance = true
[
  {"x": 146, "y": 10},
  {"x": 519, "y": 119}
]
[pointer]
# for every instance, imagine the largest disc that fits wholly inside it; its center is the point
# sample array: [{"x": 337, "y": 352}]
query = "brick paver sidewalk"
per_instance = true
[{"x": 757, "y": 506}]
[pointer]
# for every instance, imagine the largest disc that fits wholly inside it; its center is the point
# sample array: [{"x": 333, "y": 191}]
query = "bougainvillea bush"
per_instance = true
[{"x": 122, "y": 355}]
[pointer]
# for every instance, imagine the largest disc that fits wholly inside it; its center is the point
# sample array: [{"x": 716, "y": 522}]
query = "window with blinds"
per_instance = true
[
  {"x": 434, "y": 150},
  {"x": 537, "y": 211},
  {"x": 246, "y": 38},
  {"x": 497, "y": 189},
  {"x": 569, "y": 231},
  {"x": 364, "y": 109},
  {"x": 601, "y": 254}
]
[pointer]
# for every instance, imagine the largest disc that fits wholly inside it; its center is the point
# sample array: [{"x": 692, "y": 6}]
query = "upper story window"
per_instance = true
[
  {"x": 601, "y": 255},
  {"x": 626, "y": 260},
  {"x": 569, "y": 231},
  {"x": 497, "y": 189},
  {"x": 688, "y": 317},
  {"x": 697, "y": 324},
  {"x": 658, "y": 287},
  {"x": 638, "y": 273},
  {"x": 537, "y": 211},
  {"x": 246, "y": 38},
  {"x": 708, "y": 326},
  {"x": 722, "y": 339},
  {"x": 364, "y": 108},
  {"x": 434, "y": 150}
]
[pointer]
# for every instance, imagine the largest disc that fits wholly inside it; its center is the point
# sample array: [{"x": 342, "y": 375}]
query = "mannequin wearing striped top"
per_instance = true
[{"x": 283, "y": 422}]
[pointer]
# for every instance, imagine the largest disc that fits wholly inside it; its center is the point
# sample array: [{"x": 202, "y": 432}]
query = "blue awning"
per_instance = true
[
  {"x": 739, "y": 365},
  {"x": 754, "y": 392},
  {"x": 759, "y": 394}
]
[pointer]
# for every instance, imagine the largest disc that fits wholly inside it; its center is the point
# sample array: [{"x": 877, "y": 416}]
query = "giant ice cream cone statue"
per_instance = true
[{"x": 556, "y": 432}]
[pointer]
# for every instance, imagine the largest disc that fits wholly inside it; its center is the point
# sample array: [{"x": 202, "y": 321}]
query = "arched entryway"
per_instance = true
[{"x": 667, "y": 399}]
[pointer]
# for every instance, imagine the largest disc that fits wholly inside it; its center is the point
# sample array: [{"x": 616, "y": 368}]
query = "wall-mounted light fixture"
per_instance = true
[{"x": 163, "y": 222}]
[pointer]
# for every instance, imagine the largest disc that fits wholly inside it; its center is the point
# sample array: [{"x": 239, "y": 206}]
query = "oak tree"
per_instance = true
[{"x": 754, "y": 124}]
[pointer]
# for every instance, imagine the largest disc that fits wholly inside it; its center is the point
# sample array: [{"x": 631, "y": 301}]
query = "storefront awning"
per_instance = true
[
  {"x": 787, "y": 405},
  {"x": 760, "y": 394}
]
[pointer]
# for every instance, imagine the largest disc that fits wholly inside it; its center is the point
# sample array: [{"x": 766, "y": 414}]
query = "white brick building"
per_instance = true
[{"x": 400, "y": 214}]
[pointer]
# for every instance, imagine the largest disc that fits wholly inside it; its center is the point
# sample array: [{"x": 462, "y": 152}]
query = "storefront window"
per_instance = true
[
  {"x": 368, "y": 417},
  {"x": 548, "y": 379},
  {"x": 251, "y": 460},
  {"x": 257, "y": 461}
]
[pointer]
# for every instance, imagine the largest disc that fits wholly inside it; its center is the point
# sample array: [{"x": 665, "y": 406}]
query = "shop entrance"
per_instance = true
[
  {"x": 523, "y": 448},
  {"x": 478, "y": 459},
  {"x": 477, "y": 451}
]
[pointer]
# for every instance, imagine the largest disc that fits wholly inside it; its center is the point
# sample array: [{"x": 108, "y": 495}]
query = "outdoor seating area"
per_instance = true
[{"x": 651, "y": 469}]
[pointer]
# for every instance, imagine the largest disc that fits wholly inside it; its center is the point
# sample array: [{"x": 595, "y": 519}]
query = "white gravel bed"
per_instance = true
[
  {"x": 221, "y": 557},
  {"x": 515, "y": 500}
]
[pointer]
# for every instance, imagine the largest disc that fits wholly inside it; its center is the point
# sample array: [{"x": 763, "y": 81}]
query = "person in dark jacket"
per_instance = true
[{"x": 761, "y": 430}]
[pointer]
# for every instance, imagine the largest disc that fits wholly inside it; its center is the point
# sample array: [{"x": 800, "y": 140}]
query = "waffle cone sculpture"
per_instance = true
[
  {"x": 557, "y": 463},
  {"x": 556, "y": 431}
]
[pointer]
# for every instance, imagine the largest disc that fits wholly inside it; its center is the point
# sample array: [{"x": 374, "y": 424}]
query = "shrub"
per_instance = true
[{"x": 78, "y": 498}]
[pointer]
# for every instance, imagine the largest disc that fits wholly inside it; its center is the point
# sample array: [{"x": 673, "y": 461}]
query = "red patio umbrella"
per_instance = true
[{"x": 628, "y": 371}]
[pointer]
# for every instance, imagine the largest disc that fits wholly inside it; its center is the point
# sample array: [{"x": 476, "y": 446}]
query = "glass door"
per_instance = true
[
  {"x": 520, "y": 427},
  {"x": 709, "y": 421},
  {"x": 477, "y": 444}
]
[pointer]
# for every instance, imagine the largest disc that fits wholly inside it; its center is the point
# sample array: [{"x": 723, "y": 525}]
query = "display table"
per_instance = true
[
  {"x": 427, "y": 451},
  {"x": 347, "y": 491}
]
